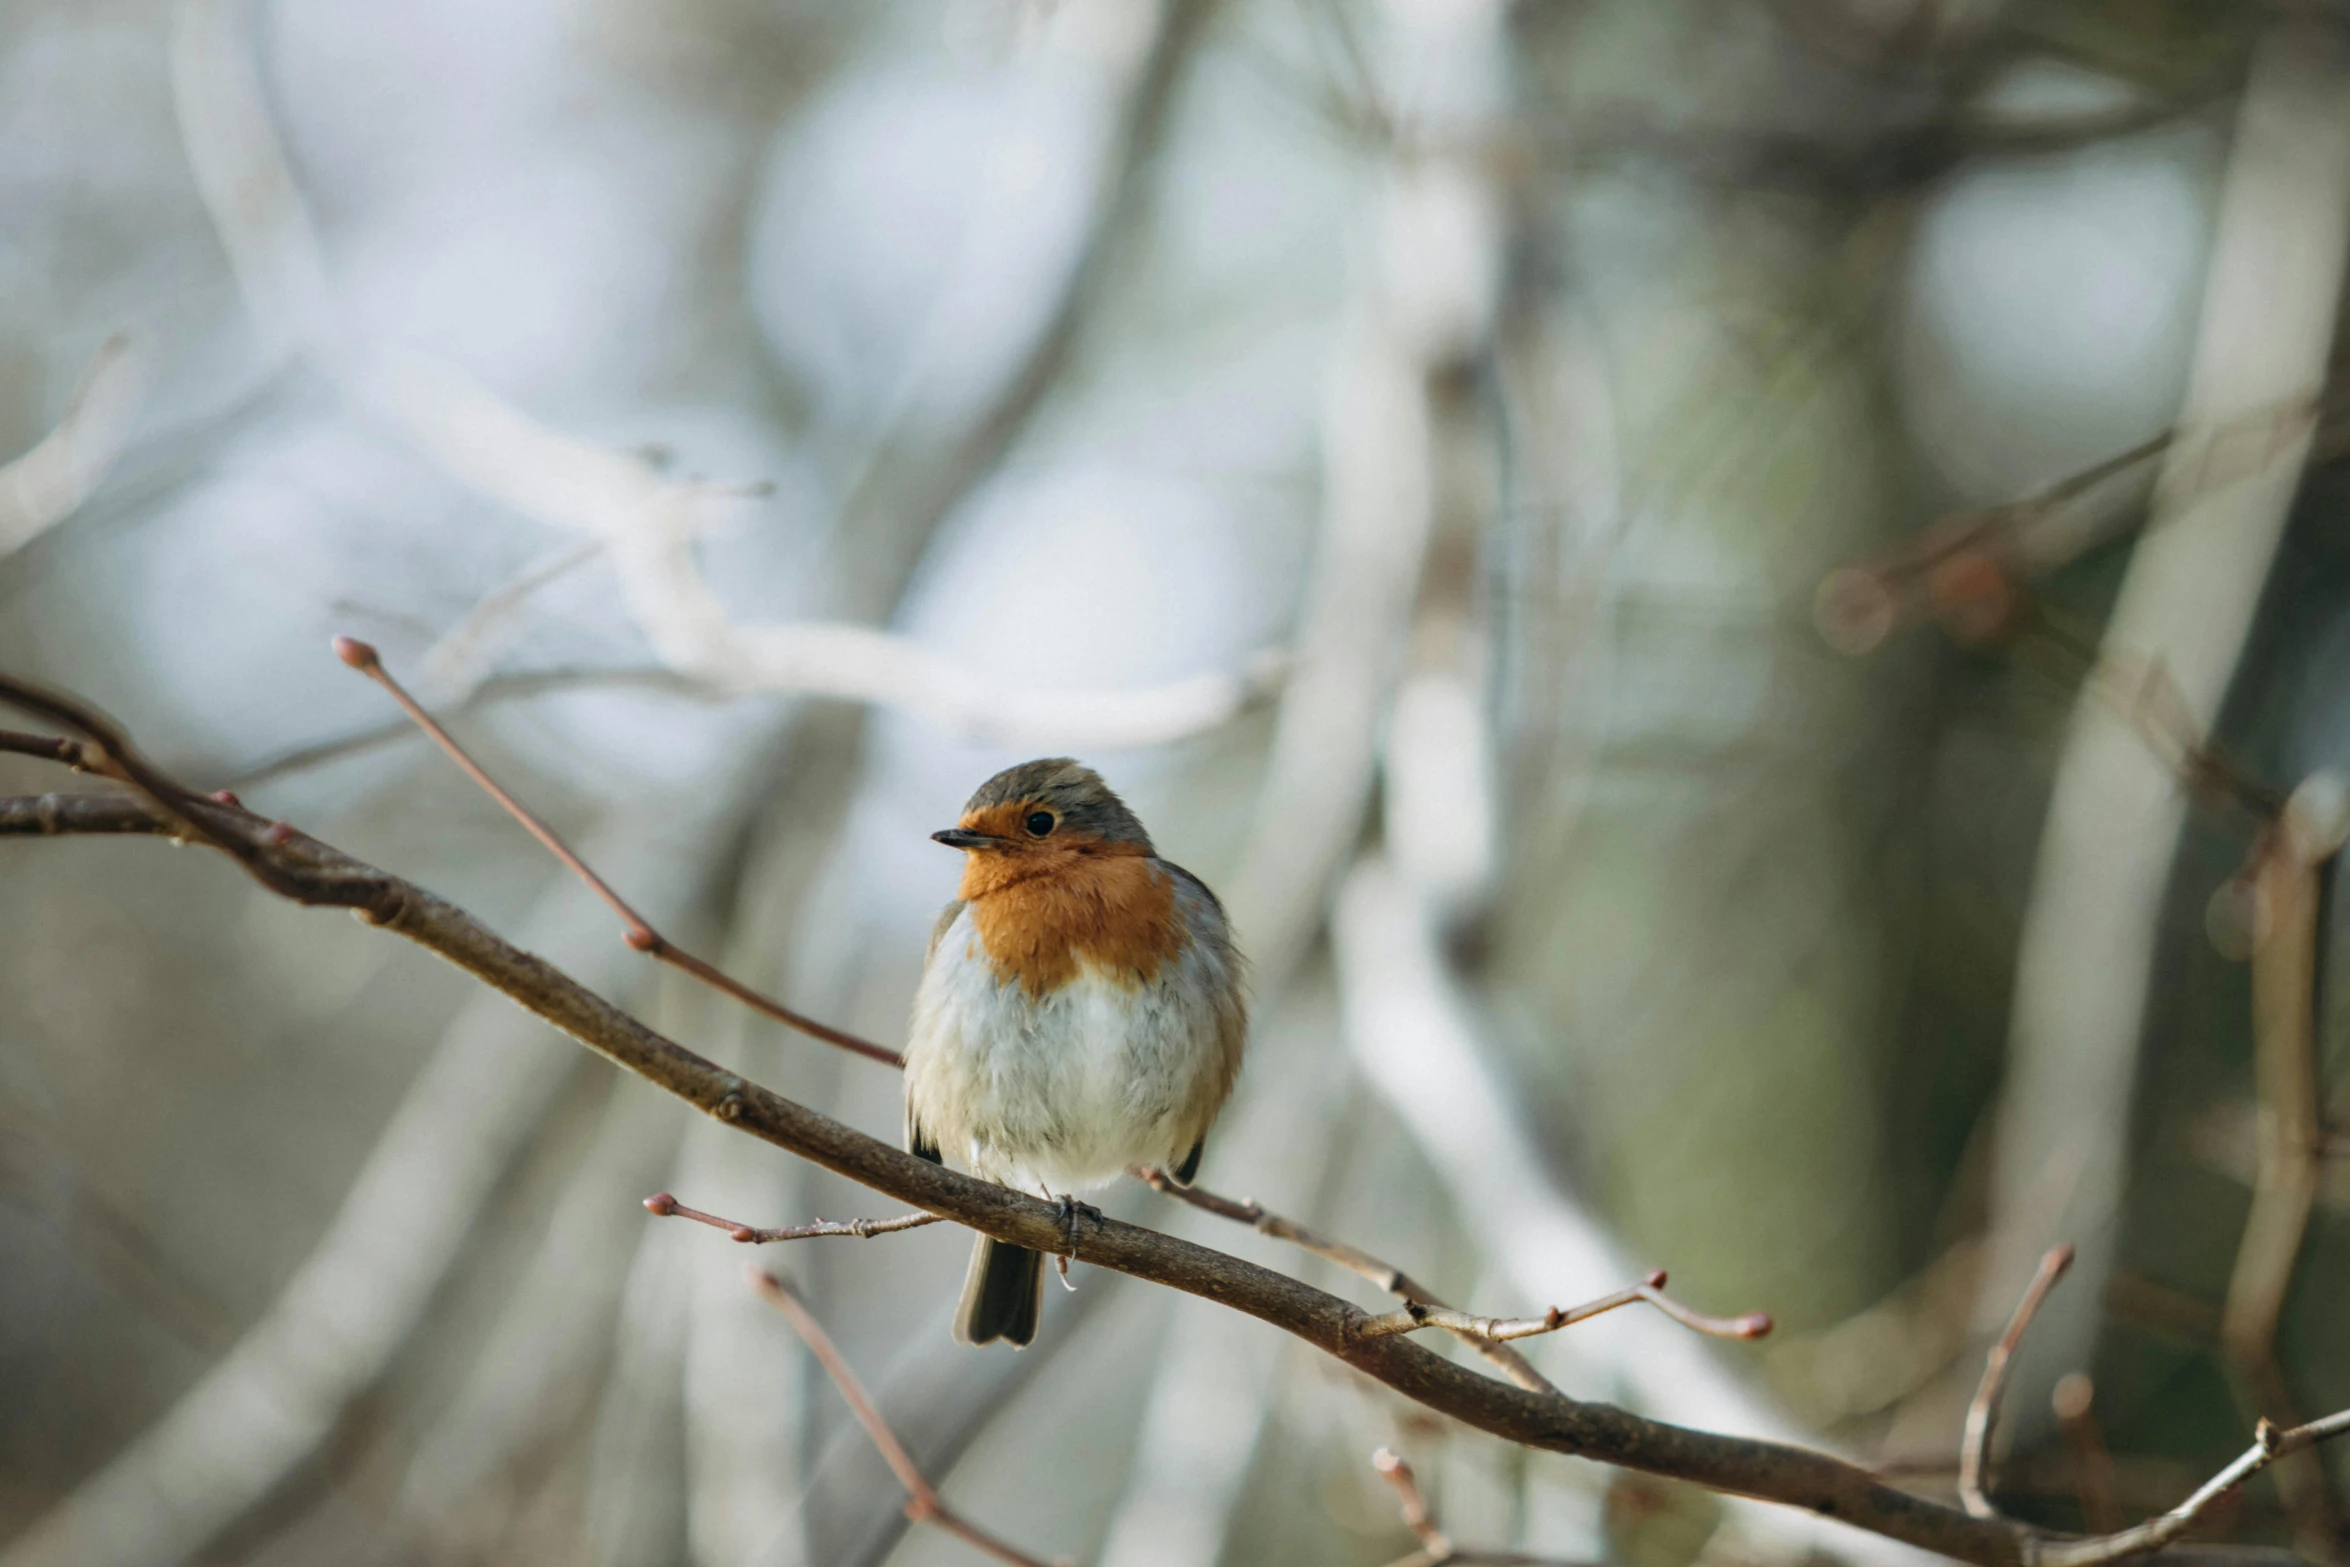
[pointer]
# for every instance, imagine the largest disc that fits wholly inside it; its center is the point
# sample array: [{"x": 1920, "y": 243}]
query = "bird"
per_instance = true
[{"x": 1082, "y": 1008}]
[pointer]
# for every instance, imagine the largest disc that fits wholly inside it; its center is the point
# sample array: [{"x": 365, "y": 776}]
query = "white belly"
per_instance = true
[{"x": 1061, "y": 1091}]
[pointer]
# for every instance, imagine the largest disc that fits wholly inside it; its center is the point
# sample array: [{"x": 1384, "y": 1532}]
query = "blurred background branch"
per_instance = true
[
  {"x": 1410, "y": 448},
  {"x": 309, "y": 872}
]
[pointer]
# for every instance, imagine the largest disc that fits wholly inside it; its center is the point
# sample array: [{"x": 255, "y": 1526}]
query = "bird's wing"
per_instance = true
[
  {"x": 1196, "y": 885},
  {"x": 919, "y": 1141},
  {"x": 1212, "y": 934}
]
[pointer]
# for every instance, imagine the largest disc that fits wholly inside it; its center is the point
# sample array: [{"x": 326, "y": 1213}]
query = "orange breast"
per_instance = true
[{"x": 1117, "y": 910}]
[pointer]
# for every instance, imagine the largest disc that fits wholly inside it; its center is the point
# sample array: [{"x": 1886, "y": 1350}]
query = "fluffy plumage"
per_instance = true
[{"x": 1081, "y": 1010}]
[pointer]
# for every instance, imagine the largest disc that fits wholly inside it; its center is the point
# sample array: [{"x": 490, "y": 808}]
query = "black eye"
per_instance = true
[{"x": 1040, "y": 823}]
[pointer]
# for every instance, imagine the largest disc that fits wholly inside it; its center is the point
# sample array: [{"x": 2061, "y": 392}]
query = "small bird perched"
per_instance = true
[{"x": 1081, "y": 1009}]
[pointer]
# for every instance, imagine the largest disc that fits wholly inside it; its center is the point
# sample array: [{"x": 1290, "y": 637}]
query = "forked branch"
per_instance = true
[
  {"x": 2269, "y": 1444},
  {"x": 308, "y": 871},
  {"x": 1354, "y": 1259},
  {"x": 641, "y": 934},
  {"x": 1497, "y": 1330}
]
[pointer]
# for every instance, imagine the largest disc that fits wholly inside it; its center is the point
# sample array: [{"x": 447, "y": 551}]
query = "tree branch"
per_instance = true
[
  {"x": 641, "y": 935},
  {"x": 1974, "y": 1454},
  {"x": 646, "y": 521},
  {"x": 2269, "y": 1445},
  {"x": 47, "y": 748},
  {"x": 364, "y": 658},
  {"x": 662, "y": 1205},
  {"x": 1497, "y": 1330},
  {"x": 313, "y": 873},
  {"x": 2286, "y": 884},
  {"x": 1352, "y": 1258}
]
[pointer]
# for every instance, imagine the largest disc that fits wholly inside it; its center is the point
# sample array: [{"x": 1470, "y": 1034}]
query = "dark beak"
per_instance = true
[{"x": 957, "y": 838}]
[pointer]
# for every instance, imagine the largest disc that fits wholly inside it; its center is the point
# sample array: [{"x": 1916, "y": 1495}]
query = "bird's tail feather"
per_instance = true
[{"x": 1002, "y": 1294}]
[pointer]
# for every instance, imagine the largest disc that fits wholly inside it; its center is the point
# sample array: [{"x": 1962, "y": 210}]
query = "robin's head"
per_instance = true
[{"x": 1029, "y": 818}]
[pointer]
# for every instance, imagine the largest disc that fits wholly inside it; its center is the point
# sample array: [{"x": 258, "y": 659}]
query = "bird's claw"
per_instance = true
[{"x": 1071, "y": 1210}]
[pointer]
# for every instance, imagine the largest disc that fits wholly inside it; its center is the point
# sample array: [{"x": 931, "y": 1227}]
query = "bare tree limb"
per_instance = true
[
  {"x": 1352, "y": 1258},
  {"x": 2286, "y": 888},
  {"x": 2269, "y": 1445},
  {"x": 644, "y": 519},
  {"x": 1498, "y": 1330},
  {"x": 49, "y": 482},
  {"x": 923, "y": 1504},
  {"x": 47, "y": 748},
  {"x": 641, "y": 935},
  {"x": 364, "y": 658},
  {"x": 1413, "y": 1027},
  {"x": 2271, "y": 301},
  {"x": 1974, "y": 1453},
  {"x": 314, "y": 873},
  {"x": 1863, "y": 602}
]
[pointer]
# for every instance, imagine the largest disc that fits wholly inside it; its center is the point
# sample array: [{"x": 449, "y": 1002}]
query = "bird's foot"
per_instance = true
[{"x": 1071, "y": 1211}]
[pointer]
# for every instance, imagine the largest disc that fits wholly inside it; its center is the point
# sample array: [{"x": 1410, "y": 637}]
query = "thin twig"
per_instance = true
[
  {"x": 1415, "y": 1316},
  {"x": 641, "y": 935},
  {"x": 644, "y": 938},
  {"x": 2147, "y": 695},
  {"x": 316, "y": 874},
  {"x": 1397, "y": 1471},
  {"x": 1862, "y": 603},
  {"x": 662, "y": 1205},
  {"x": 2286, "y": 884},
  {"x": 1974, "y": 1453},
  {"x": 49, "y": 748},
  {"x": 923, "y": 1504},
  {"x": 2269, "y": 1445},
  {"x": 1354, "y": 1259}
]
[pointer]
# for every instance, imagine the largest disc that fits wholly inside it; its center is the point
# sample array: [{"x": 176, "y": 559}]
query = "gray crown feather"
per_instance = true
[{"x": 1071, "y": 791}]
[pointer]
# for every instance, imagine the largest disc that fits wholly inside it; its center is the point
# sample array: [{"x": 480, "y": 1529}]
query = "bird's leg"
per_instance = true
[{"x": 1070, "y": 1209}]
